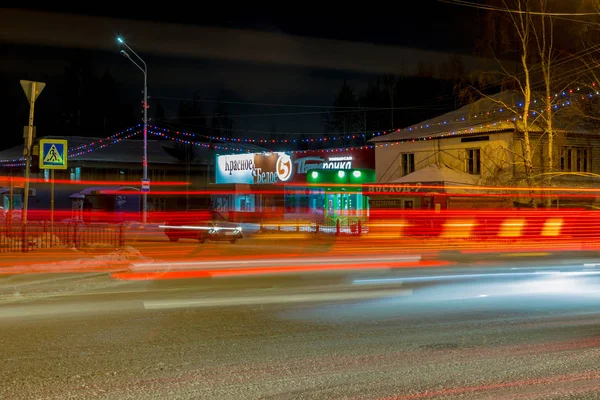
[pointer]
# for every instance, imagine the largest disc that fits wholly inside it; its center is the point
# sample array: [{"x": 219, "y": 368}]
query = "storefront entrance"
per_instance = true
[{"x": 339, "y": 195}]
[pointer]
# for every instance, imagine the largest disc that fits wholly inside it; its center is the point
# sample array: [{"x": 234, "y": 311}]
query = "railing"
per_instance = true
[
  {"x": 42, "y": 234},
  {"x": 338, "y": 226}
]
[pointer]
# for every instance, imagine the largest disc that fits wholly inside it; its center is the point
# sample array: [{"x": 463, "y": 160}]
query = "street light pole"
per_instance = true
[
  {"x": 144, "y": 70},
  {"x": 145, "y": 160}
]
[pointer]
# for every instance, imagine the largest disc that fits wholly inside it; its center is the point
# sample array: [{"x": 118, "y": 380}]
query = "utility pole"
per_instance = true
[
  {"x": 145, "y": 161},
  {"x": 145, "y": 181},
  {"x": 32, "y": 91}
]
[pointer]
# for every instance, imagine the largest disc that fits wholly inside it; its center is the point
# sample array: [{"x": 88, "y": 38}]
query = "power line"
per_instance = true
[
  {"x": 279, "y": 132},
  {"x": 507, "y": 10},
  {"x": 258, "y": 104},
  {"x": 312, "y": 112}
]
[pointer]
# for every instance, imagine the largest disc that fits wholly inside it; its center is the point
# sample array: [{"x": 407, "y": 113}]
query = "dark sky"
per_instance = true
[
  {"x": 422, "y": 25},
  {"x": 291, "y": 58}
]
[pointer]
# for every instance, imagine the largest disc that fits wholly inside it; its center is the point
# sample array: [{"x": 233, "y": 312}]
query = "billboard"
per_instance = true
[
  {"x": 255, "y": 168},
  {"x": 283, "y": 167}
]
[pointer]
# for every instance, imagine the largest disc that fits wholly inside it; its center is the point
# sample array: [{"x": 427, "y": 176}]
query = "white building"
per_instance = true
[{"x": 481, "y": 144}]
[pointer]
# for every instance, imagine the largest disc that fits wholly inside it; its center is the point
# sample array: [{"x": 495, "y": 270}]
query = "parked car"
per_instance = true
[{"x": 202, "y": 225}]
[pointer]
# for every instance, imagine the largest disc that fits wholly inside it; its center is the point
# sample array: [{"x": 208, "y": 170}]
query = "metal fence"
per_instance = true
[
  {"x": 42, "y": 234},
  {"x": 345, "y": 226}
]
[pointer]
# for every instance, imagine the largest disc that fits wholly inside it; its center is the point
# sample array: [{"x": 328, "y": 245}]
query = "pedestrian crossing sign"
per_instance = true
[{"x": 53, "y": 154}]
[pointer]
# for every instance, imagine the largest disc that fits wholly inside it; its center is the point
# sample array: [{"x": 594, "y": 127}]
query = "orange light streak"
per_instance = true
[{"x": 218, "y": 273}]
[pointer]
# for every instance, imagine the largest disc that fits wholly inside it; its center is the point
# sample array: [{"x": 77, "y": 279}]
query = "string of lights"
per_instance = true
[
  {"x": 100, "y": 144},
  {"x": 199, "y": 144},
  {"x": 328, "y": 139},
  {"x": 80, "y": 149},
  {"x": 84, "y": 148},
  {"x": 259, "y": 141},
  {"x": 563, "y": 98},
  {"x": 247, "y": 150}
]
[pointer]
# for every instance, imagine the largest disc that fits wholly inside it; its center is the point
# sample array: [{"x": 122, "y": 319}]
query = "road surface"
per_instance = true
[{"x": 493, "y": 327}]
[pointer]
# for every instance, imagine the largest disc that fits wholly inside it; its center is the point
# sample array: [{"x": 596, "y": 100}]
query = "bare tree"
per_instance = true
[
  {"x": 544, "y": 39},
  {"x": 531, "y": 31},
  {"x": 518, "y": 16}
]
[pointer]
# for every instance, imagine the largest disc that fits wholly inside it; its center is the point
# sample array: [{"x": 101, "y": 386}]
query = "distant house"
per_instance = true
[
  {"x": 481, "y": 144},
  {"x": 93, "y": 161}
]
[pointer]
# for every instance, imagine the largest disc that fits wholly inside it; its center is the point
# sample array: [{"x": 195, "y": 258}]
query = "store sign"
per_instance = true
[
  {"x": 348, "y": 159},
  {"x": 255, "y": 168},
  {"x": 405, "y": 187},
  {"x": 391, "y": 203},
  {"x": 272, "y": 168},
  {"x": 306, "y": 164}
]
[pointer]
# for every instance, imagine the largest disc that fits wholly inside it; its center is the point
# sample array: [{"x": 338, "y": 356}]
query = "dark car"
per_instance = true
[{"x": 202, "y": 225}]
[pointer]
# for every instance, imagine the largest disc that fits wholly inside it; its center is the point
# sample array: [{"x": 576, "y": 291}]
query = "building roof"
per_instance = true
[
  {"x": 125, "y": 151},
  {"x": 491, "y": 114}
]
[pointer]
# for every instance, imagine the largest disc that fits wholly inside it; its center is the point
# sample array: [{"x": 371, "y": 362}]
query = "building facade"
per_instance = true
[
  {"x": 95, "y": 164},
  {"x": 274, "y": 184},
  {"x": 485, "y": 144}
]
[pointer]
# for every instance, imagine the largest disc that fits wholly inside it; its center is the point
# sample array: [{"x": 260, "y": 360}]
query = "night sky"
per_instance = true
[{"x": 291, "y": 58}]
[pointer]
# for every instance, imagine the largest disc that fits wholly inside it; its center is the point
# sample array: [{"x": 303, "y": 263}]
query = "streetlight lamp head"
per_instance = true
[
  {"x": 120, "y": 39},
  {"x": 124, "y": 54}
]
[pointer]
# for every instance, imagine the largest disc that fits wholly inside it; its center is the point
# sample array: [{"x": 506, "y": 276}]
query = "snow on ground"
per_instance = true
[{"x": 112, "y": 261}]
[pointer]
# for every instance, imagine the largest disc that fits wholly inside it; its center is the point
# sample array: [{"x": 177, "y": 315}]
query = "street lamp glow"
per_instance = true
[{"x": 144, "y": 68}]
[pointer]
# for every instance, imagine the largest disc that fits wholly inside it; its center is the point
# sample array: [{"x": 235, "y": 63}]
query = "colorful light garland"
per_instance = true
[
  {"x": 259, "y": 141},
  {"x": 172, "y": 134},
  {"x": 83, "y": 149},
  {"x": 222, "y": 147},
  {"x": 74, "y": 151},
  {"x": 327, "y": 139},
  {"x": 199, "y": 144}
]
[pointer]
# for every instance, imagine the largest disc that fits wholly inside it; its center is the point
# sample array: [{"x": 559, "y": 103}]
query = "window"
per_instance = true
[
  {"x": 75, "y": 174},
  {"x": 576, "y": 159},
  {"x": 474, "y": 161},
  {"x": 408, "y": 163}
]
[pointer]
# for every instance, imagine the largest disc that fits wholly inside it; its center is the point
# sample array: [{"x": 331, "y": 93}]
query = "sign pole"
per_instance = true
[
  {"x": 52, "y": 201},
  {"x": 27, "y": 152},
  {"x": 54, "y": 154},
  {"x": 32, "y": 91},
  {"x": 11, "y": 200}
]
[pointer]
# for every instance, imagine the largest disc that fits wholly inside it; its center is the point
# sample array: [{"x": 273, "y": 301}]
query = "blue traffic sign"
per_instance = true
[{"x": 53, "y": 154}]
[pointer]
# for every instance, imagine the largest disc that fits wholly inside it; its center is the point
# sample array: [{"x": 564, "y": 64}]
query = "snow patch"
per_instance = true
[{"x": 119, "y": 256}]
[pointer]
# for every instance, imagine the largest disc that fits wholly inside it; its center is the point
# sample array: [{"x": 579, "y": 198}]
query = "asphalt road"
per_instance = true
[{"x": 493, "y": 327}]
